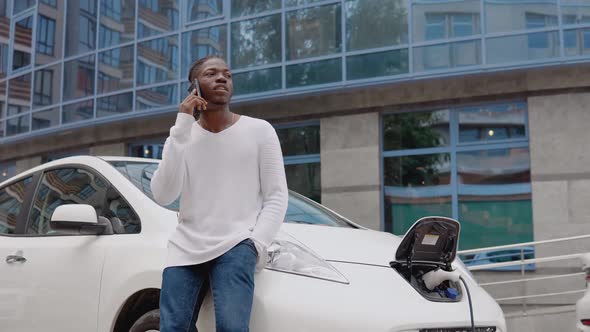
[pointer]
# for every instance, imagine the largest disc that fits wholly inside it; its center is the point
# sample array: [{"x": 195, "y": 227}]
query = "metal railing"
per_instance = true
[{"x": 525, "y": 259}]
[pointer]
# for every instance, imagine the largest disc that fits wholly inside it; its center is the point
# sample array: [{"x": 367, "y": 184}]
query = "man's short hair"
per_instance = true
[{"x": 197, "y": 64}]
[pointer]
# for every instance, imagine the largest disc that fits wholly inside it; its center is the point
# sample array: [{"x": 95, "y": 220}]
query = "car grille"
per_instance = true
[{"x": 461, "y": 329}]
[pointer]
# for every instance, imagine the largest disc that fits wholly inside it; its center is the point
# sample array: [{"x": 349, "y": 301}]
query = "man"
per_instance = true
[{"x": 228, "y": 170}]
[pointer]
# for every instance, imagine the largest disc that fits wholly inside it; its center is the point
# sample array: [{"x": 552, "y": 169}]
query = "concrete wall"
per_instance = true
[
  {"x": 115, "y": 149},
  {"x": 349, "y": 152},
  {"x": 560, "y": 169},
  {"x": 27, "y": 163}
]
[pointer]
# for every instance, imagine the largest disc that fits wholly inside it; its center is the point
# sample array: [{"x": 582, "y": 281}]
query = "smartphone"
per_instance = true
[{"x": 195, "y": 85}]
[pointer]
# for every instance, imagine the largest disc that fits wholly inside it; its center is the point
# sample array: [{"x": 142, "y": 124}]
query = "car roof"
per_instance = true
[{"x": 80, "y": 159}]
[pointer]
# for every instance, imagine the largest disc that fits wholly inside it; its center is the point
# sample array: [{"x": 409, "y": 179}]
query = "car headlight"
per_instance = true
[{"x": 286, "y": 254}]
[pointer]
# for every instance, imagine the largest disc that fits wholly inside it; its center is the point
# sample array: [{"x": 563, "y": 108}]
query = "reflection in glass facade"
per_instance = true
[
  {"x": 92, "y": 49},
  {"x": 469, "y": 163}
]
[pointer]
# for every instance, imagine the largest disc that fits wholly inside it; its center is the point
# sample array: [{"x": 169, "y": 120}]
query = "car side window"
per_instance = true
[
  {"x": 11, "y": 202},
  {"x": 120, "y": 213},
  {"x": 64, "y": 186}
]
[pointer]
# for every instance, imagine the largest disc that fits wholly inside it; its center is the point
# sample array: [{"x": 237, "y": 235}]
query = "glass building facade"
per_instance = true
[{"x": 73, "y": 63}]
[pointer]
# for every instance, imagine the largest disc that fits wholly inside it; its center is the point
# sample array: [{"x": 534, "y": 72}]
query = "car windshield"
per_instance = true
[{"x": 301, "y": 210}]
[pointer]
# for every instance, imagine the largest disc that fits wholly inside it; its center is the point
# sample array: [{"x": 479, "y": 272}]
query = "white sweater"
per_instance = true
[{"x": 232, "y": 186}]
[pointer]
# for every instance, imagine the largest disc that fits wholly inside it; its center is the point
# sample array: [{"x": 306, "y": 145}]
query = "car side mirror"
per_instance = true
[{"x": 80, "y": 218}]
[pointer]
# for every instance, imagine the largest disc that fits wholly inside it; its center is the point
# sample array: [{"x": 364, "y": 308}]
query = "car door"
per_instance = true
[
  {"x": 64, "y": 269},
  {"x": 14, "y": 289}
]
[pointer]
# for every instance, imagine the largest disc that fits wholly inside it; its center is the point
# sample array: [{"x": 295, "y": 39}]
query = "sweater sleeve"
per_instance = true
[
  {"x": 273, "y": 185},
  {"x": 168, "y": 178}
]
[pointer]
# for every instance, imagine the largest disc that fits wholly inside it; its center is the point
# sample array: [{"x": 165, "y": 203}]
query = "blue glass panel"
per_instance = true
[
  {"x": 79, "y": 78},
  {"x": 575, "y": 12},
  {"x": 515, "y": 15},
  {"x": 115, "y": 69},
  {"x": 492, "y": 122},
  {"x": 18, "y": 125},
  {"x": 77, "y": 112},
  {"x": 436, "y": 20},
  {"x": 46, "y": 119},
  {"x": 157, "y": 17},
  {"x": 157, "y": 97},
  {"x": 312, "y": 73},
  {"x": 203, "y": 9},
  {"x": 50, "y": 25},
  {"x": 257, "y": 81},
  {"x": 46, "y": 86},
  {"x": 19, "y": 94},
  {"x": 250, "y": 7},
  {"x": 377, "y": 64},
  {"x": 117, "y": 22},
  {"x": 256, "y": 41},
  {"x": 157, "y": 60},
  {"x": 114, "y": 105},
  {"x": 577, "y": 42},
  {"x": 313, "y": 32},
  {"x": 81, "y": 27},
  {"x": 446, "y": 56},
  {"x": 519, "y": 48}
]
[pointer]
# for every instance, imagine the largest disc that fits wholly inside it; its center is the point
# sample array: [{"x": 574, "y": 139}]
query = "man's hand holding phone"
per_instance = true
[{"x": 193, "y": 102}]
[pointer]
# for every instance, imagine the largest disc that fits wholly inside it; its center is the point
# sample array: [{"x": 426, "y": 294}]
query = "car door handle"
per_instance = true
[{"x": 10, "y": 259}]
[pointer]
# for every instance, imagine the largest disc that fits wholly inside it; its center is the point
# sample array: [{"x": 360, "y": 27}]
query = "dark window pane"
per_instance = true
[
  {"x": 11, "y": 201},
  {"x": 153, "y": 151},
  {"x": 292, "y": 3},
  {"x": 23, "y": 42},
  {"x": 385, "y": 21},
  {"x": 78, "y": 112},
  {"x": 115, "y": 69},
  {"x": 519, "y": 48},
  {"x": 203, "y": 9},
  {"x": 117, "y": 22},
  {"x": 257, "y": 81},
  {"x": 250, "y": 7},
  {"x": 435, "y": 20},
  {"x": 494, "y": 197},
  {"x": 3, "y": 59},
  {"x": 200, "y": 43},
  {"x": 415, "y": 187},
  {"x": 81, "y": 27},
  {"x": 19, "y": 94},
  {"x": 157, "y": 97},
  {"x": 18, "y": 125},
  {"x": 22, "y": 5},
  {"x": 157, "y": 61},
  {"x": 157, "y": 17},
  {"x": 50, "y": 32},
  {"x": 121, "y": 214},
  {"x": 305, "y": 179},
  {"x": 513, "y": 15},
  {"x": 313, "y": 32},
  {"x": 577, "y": 42},
  {"x": 113, "y": 105},
  {"x": 416, "y": 130},
  {"x": 575, "y": 12},
  {"x": 64, "y": 186},
  {"x": 496, "y": 122},
  {"x": 256, "y": 42},
  {"x": 2, "y": 128},
  {"x": 447, "y": 56},
  {"x": 3, "y": 86},
  {"x": 47, "y": 86},
  {"x": 79, "y": 78},
  {"x": 312, "y": 73},
  {"x": 297, "y": 141},
  {"x": 46, "y": 119},
  {"x": 377, "y": 64}
]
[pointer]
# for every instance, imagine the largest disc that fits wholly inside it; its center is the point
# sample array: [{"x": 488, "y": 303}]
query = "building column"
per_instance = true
[
  {"x": 560, "y": 175},
  {"x": 27, "y": 163},
  {"x": 116, "y": 149},
  {"x": 350, "y": 171}
]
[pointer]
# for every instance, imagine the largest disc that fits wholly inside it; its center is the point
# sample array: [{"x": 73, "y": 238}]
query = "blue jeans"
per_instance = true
[{"x": 231, "y": 279}]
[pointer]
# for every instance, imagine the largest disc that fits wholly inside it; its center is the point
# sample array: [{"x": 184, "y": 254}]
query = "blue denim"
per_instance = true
[{"x": 231, "y": 279}]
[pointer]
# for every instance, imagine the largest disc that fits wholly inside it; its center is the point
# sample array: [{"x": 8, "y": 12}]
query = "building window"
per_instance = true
[
  {"x": 87, "y": 32},
  {"x": 43, "y": 85},
  {"x": 450, "y": 25},
  {"x": 46, "y": 35},
  {"x": 539, "y": 21},
  {"x": 147, "y": 149},
  {"x": 300, "y": 144},
  {"x": 112, "y": 9},
  {"x": 108, "y": 37},
  {"x": 469, "y": 163},
  {"x": 52, "y": 3}
]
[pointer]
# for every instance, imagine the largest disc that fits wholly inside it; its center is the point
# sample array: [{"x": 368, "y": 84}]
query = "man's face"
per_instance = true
[{"x": 215, "y": 81}]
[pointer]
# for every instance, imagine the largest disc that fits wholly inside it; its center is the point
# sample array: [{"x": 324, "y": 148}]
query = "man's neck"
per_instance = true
[{"x": 216, "y": 119}]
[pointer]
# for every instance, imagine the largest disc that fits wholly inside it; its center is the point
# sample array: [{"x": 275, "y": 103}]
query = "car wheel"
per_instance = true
[{"x": 148, "y": 322}]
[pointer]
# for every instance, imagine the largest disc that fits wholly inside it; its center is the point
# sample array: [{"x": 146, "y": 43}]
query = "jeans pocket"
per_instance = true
[{"x": 250, "y": 243}]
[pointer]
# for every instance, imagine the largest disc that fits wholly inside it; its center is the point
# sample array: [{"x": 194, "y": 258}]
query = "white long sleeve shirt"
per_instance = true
[{"x": 232, "y": 186}]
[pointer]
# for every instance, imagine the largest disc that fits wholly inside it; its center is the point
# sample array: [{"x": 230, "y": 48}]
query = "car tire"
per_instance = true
[{"x": 150, "y": 321}]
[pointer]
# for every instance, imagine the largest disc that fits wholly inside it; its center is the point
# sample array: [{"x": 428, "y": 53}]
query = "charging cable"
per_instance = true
[{"x": 470, "y": 304}]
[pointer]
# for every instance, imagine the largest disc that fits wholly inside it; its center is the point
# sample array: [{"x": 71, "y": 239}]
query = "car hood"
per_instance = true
[{"x": 346, "y": 244}]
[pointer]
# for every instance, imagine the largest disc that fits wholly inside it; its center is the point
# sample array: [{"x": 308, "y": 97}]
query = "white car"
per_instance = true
[
  {"x": 583, "y": 305},
  {"x": 83, "y": 247}
]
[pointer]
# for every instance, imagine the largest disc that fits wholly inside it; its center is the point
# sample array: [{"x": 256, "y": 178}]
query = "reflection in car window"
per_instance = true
[
  {"x": 120, "y": 213},
  {"x": 11, "y": 201},
  {"x": 64, "y": 186},
  {"x": 301, "y": 210}
]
